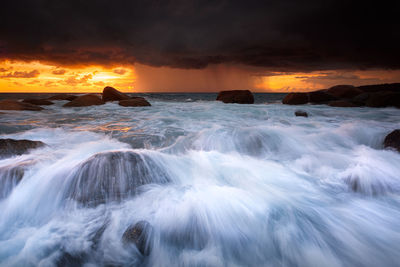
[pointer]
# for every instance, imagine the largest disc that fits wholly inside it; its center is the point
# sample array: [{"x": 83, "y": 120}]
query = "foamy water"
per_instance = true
[{"x": 220, "y": 185}]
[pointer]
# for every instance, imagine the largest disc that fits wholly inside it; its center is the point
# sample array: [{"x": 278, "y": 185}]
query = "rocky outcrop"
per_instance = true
[
  {"x": 344, "y": 91},
  {"x": 392, "y": 140},
  {"x": 113, "y": 176},
  {"x": 139, "y": 234},
  {"x": 300, "y": 113},
  {"x": 383, "y": 99},
  {"x": 11, "y": 147},
  {"x": 295, "y": 99},
  {"x": 85, "y": 100},
  {"x": 112, "y": 94},
  {"x": 134, "y": 102},
  {"x": 387, "y": 87},
  {"x": 38, "y": 102},
  {"x": 11, "y": 175},
  {"x": 320, "y": 97},
  {"x": 62, "y": 97},
  {"x": 343, "y": 104},
  {"x": 236, "y": 96},
  {"x": 16, "y": 105}
]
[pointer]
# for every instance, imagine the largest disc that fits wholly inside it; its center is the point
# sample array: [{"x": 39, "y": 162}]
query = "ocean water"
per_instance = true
[{"x": 218, "y": 184}]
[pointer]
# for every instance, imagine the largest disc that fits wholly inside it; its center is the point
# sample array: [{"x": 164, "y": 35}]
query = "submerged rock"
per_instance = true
[
  {"x": 236, "y": 96},
  {"x": 62, "y": 97},
  {"x": 392, "y": 140},
  {"x": 112, "y": 176},
  {"x": 11, "y": 147},
  {"x": 16, "y": 105},
  {"x": 10, "y": 176},
  {"x": 85, "y": 100},
  {"x": 139, "y": 234},
  {"x": 38, "y": 102},
  {"x": 344, "y": 91},
  {"x": 112, "y": 94},
  {"x": 300, "y": 113},
  {"x": 134, "y": 102},
  {"x": 295, "y": 99}
]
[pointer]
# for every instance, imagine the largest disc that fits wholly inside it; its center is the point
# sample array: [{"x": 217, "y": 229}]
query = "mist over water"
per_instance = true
[{"x": 220, "y": 185}]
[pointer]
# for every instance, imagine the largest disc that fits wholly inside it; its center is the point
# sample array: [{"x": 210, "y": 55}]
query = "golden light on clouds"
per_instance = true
[{"x": 18, "y": 76}]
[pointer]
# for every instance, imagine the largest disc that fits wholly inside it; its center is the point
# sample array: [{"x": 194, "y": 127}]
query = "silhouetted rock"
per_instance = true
[
  {"x": 85, "y": 100},
  {"x": 236, "y": 96},
  {"x": 295, "y": 99},
  {"x": 320, "y": 97},
  {"x": 112, "y": 94},
  {"x": 140, "y": 235},
  {"x": 360, "y": 99},
  {"x": 112, "y": 176},
  {"x": 342, "y": 104},
  {"x": 392, "y": 140},
  {"x": 383, "y": 99},
  {"x": 16, "y": 105},
  {"x": 344, "y": 91},
  {"x": 300, "y": 113},
  {"x": 393, "y": 87},
  {"x": 38, "y": 102},
  {"x": 134, "y": 102},
  {"x": 11, "y": 147},
  {"x": 62, "y": 97}
]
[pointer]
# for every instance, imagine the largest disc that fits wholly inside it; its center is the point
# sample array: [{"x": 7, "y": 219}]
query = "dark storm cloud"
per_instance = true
[{"x": 279, "y": 35}]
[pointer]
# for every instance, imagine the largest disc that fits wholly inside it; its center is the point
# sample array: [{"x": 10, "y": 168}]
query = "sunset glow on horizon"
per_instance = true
[{"x": 38, "y": 77}]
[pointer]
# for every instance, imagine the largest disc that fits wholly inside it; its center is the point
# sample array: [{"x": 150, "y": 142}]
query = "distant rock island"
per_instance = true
[{"x": 378, "y": 96}]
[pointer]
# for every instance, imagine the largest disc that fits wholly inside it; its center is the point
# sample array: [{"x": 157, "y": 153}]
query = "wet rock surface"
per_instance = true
[
  {"x": 11, "y": 147},
  {"x": 392, "y": 140},
  {"x": 16, "y": 105},
  {"x": 112, "y": 94},
  {"x": 139, "y": 234},
  {"x": 134, "y": 102},
  {"x": 85, "y": 100},
  {"x": 236, "y": 96},
  {"x": 38, "y": 102}
]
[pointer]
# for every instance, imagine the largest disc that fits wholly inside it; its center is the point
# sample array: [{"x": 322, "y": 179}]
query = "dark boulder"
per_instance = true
[
  {"x": 360, "y": 99},
  {"x": 112, "y": 94},
  {"x": 236, "y": 96},
  {"x": 11, "y": 175},
  {"x": 11, "y": 147},
  {"x": 113, "y": 176},
  {"x": 392, "y": 140},
  {"x": 300, "y": 113},
  {"x": 62, "y": 97},
  {"x": 343, "y": 104},
  {"x": 383, "y": 99},
  {"x": 392, "y": 87},
  {"x": 139, "y": 234},
  {"x": 295, "y": 99},
  {"x": 344, "y": 91},
  {"x": 320, "y": 97},
  {"x": 134, "y": 102},
  {"x": 38, "y": 102},
  {"x": 85, "y": 100},
  {"x": 16, "y": 105}
]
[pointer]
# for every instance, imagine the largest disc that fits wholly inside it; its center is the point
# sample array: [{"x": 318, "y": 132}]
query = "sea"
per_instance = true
[{"x": 190, "y": 181}]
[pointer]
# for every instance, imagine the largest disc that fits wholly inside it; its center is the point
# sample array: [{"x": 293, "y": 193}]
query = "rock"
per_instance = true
[
  {"x": 11, "y": 147},
  {"x": 300, "y": 113},
  {"x": 112, "y": 94},
  {"x": 16, "y": 105},
  {"x": 11, "y": 175},
  {"x": 392, "y": 140},
  {"x": 236, "y": 96},
  {"x": 295, "y": 99},
  {"x": 39, "y": 102},
  {"x": 392, "y": 87},
  {"x": 383, "y": 99},
  {"x": 140, "y": 235},
  {"x": 320, "y": 97},
  {"x": 84, "y": 101},
  {"x": 134, "y": 102},
  {"x": 62, "y": 97},
  {"x": 113, "y": 176},
  {"x": 342, "y": 104},
  {"x": 344, "y": 91},
  {"x": 361, "y": 99}
]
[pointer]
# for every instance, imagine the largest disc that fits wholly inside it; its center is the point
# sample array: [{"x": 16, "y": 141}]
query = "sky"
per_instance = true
[{"x": 196, "y": 46}]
